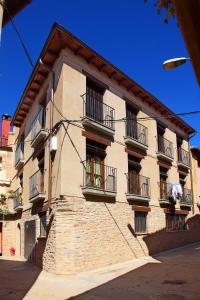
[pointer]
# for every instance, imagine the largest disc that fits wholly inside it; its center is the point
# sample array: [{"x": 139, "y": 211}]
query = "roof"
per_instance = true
[
  {"x": 58, "y": 39},
  {"x": 188, "y": 14},
  {"x": 13, "y": 7}
]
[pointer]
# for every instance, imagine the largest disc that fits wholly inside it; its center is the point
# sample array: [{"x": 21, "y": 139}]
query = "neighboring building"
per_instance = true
[
  {"x": 96, "y": 190},
  {"x": 195, "y": 163},
  {"x": 6, "y": 166},
  {"x": 13, "y": 7},
  {"x": 188, "y": 14}
]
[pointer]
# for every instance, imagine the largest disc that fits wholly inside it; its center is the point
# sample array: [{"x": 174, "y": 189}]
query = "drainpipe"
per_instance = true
[{"x": 191, "y": 173}]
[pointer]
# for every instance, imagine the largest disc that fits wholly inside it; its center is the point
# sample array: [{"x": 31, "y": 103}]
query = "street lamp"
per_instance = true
[{"x": 174, "y": 62}]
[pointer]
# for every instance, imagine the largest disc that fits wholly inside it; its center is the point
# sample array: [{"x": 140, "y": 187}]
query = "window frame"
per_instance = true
[
  {"x": 174, "y": 222},
  {"x": 136, "y": 215},
  {"x": 43, "y": 228}
]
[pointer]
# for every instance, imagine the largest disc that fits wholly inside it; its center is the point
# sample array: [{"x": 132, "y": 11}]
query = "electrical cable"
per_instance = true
[{"x": 18, "y": 34}]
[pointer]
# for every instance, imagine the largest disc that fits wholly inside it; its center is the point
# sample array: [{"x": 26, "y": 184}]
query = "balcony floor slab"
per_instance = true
[
  {"x": 87, "y": 122},
  {"x": 40, "y": 196},
  {"x": 131, "y": 141},
  {"x": 98, "y": 192},
  {"x": 137, "y": 198},
  {"x": 165, "y": 157}
]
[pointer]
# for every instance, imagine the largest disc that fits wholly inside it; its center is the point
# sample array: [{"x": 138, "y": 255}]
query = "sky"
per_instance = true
[{"x": 128, "y": 33}]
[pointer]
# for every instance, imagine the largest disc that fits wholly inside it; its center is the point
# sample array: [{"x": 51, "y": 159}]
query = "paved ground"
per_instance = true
[{"x": 173, "y": 275}]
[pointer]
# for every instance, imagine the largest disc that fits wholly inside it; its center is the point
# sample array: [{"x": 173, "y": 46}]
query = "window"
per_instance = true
[
  {"x": 175, "y": 222},
  {"x": 43, "y": 224},
  {"x": 94, "y": 101},
  {"x": 133, "y": 175},
  {"x": 95, "y": 165},
  {"x": 131, "y": 123},
  {"x": 140, "y": 222}
]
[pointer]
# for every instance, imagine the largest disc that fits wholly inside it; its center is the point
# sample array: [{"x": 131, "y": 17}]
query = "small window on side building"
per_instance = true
[
  {"x": 43, "y": 224},
  {"x": 140, "y": 222}
]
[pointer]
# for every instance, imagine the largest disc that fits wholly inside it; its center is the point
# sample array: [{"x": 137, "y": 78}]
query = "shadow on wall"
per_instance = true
[
  {"x": 37, "y": 251},
  {"x": 162, "y": 240},
  {"x": 16, "y": 279}
]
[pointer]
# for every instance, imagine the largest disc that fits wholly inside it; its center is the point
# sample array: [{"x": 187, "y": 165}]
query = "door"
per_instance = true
[
  {"x": 30, "y": 240},
  {"x": 1, "y": 238},
  {"x": 131, "y": 123},
  {"x": 134, "y": 184},
  {"x": 95, "y": 172}
]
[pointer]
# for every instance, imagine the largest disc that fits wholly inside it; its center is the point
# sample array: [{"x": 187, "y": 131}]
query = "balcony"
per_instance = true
[
  {"x": 17, "y": 200},
  {"x": 36, "y": 186},
  {"x": 98, "y": 115},
  {"x": 136, "y": 135},
  {"x": 19, "y": 155},
  {"x": 165, "y": 149},
  {"x": 186, "y": 199},
  {"x": 183, "y": 158},
  {"x": 138, "y": 188},
  {"x": 99, "y": 180},
  {"x": 38, "y": 133},
  {"x": 166, "y": 196}
]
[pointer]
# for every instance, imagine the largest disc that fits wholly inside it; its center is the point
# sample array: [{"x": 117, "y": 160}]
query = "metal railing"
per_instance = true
[
  {"x": 99, "y": 176},
  {"x": 95, "y": 109},
  {"x": 3, "y": 142},
  {"x": 184, "y": 156},
  {"x": 165, "y": 146},
  {"x": 165, "y": 190},
  {"x": 187, "y": 197},
  {"x": 38, "y": 123},
  {"x": 138, "y": 185},
  {"x": 17, "y": 200},
  {"x": 19, "y": 153},
  {"x": 137, "y": 131},
  {"x": 36, "y": 184}
]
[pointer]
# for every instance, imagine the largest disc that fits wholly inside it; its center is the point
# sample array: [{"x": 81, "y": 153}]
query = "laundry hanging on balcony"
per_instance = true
[{"x": 177, "y": 191}]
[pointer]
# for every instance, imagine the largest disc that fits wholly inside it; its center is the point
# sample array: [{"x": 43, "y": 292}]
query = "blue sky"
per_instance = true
[{"x": 128, "y": 33}]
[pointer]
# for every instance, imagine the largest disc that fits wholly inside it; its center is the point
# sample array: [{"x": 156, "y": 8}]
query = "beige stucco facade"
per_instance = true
[{"x": 86, "y": 231}]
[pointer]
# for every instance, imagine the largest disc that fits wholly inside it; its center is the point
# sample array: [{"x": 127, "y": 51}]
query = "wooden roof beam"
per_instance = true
[
  {"x": 77, "y": 51},
  {"x": 89, "y": 59},
  {"x": 112, "y": 74},
  {"x": 102, "y": 67}
]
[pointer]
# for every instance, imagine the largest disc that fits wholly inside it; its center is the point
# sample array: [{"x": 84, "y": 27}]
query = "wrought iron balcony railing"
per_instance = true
[
  {"x": 19, "y": 153},
  {"x": 99, "y": 176},
  {"x": 38, "y": 123},
  {"x": 138, "y": 185},
  {"x": 96, "y": 110},
  {"x": 183, "y": 157},
  {"x": 165, "y": 147},
  {"x": 186, "y": 199},
  {"x": 36, "y": 184},
  {"x": 137, "y": 132},
  {"x": 17, "y": 200}
]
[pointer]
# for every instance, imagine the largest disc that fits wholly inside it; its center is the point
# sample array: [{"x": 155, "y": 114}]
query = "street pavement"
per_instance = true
[{"x": 171, "y": 275}]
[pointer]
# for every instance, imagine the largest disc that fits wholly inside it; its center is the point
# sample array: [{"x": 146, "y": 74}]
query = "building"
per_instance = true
[
  {"x": 9, "y": 8},
  {"x": 188, "y": 14},
  {"x": 6, "y": 166},
  {"x": 101, "y": 165},
  {"x": 195, "y": 163}
]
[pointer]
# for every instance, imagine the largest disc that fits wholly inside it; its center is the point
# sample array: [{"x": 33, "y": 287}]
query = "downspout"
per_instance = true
[
  {"x": 52, "y": 80},
  {"x": 191, "y": 173}
]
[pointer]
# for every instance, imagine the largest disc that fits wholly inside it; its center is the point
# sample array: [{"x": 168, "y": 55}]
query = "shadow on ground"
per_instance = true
[{"x": 16, "y": 278}]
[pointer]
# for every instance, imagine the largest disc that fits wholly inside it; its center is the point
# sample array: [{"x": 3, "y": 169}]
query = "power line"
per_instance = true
[
  {"x": 170, "y": 116},
  {"x": 18, "y": 33}
]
